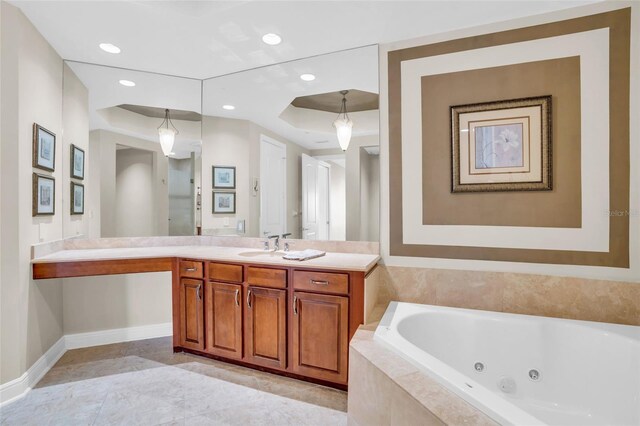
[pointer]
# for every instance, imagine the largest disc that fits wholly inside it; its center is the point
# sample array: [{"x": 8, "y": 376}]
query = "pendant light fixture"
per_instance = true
[
  {"x": 343, "y": 123},
  {"x": 167, "y": 134}
]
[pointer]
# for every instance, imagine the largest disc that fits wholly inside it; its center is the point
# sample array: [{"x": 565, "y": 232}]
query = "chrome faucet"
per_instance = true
[
  {"x": 286, "y": 244},
  {"x": 276, "y": 244}
]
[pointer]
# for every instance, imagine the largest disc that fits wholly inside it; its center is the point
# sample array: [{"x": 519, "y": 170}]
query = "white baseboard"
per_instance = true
[
  {"x": 117, "y": 335},
  {"x": 17, "y": 388}
]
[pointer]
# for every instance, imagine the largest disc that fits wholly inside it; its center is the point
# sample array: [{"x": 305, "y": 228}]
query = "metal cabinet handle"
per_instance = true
[
  {"x": 249, "y": 298},
  {"x": 317, "y": 282},
  {"x": 191, "y": 269},
  {"x": 237, "y": 294},
  {"x": 295, "y": 305},
  {"x": 198, "y": 292}
]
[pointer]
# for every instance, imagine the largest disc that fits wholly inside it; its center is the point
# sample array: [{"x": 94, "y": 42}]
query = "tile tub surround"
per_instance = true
[
  {"x": 552, "y": 296},
  {"x": 385, "y": 389},
  {"x": 143, "y": 382}
]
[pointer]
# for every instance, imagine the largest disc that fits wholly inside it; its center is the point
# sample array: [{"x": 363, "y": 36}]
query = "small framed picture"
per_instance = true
[
  {"x": 502, "y": 146},
  {"x": 77, "y": 162},
  {"x": 44, "y": 148},
  {"x": 224, "y": 177},
  {"x": 224, "y": 202},
  {"x": 43, "y": 195},
  {"x": 77, "y": 198}
]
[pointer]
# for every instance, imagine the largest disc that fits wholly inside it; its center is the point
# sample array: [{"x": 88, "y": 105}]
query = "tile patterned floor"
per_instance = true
[{"x": 145, "y": 383}]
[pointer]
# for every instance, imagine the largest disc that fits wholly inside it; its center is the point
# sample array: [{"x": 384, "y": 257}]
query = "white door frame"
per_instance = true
[
  {"x": 263, "y": 169},
  {"x": 328, "y": 224}
]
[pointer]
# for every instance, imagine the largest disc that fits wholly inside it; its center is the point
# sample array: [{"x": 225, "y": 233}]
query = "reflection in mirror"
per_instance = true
[
  {"x": 274, "y": 126},
  {"x": 135, "y": 188}
]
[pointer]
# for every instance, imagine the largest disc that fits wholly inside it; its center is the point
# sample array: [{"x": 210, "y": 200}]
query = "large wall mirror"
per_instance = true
[
  {"x": 256, "y": 153},
  {"x": 273, "y": 129},
  {"x": 134, "y": 189}
]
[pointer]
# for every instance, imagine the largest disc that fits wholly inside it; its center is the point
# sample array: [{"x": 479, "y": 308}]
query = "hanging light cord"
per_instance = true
[
  {"x": 343, "y": 107},
  {"x": 167, "y": 121}
]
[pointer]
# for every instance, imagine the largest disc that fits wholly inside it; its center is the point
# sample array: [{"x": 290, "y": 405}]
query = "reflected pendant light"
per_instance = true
[
  {"x": 343, "y": 123},
  {"x": 167, "y": 134}
]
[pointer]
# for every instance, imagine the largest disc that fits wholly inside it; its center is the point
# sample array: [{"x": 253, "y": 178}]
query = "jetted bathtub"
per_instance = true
[{"x": 521, "y": 369}]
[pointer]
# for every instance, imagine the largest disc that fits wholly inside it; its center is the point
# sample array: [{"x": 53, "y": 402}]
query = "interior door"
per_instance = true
[
  {"x": 273, "y": 189},
  {"x": 309, "y": 198}
]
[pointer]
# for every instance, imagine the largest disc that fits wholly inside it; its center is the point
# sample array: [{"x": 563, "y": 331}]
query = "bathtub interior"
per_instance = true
[{"x": 559, "y": 371}]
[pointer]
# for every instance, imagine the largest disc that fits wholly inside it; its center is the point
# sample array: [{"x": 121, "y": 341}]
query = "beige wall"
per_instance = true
[
  {"x": 75, "y": 121},
  {"x": 31, "y": 312},
  {"x": 337, "y": 203},
  {"x": 230, "y": 142},
  {"x": 100, "y": 207},
  {"x": 118, "y": 301},
  {"x": 355, "y": 213}
]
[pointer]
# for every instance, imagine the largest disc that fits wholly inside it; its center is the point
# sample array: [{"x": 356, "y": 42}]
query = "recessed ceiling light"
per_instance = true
[
  {"x": 272, "y": 39},
  {"x": 228, "y": 107},
  {"x": 307, "y": 77},
  {"x": 108, "y": 47},
  {"x": 127, "y": 83}
]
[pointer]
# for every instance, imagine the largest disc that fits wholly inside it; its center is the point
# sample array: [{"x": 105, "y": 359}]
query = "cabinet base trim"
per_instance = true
[{"x": 262, "y": 368}]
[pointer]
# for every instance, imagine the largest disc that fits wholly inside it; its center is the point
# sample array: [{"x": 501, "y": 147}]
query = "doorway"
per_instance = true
[{"x": 273, "y": 186}]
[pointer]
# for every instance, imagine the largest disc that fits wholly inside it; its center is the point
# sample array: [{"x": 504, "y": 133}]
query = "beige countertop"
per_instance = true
[{"x": 340, "y": 261}]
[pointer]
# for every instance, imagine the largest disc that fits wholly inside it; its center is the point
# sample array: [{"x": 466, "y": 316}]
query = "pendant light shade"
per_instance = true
[
  {"x": 343, "y": 129},
  {"x": 167, "y": 134},
  {"x": 343, "y": 123}
]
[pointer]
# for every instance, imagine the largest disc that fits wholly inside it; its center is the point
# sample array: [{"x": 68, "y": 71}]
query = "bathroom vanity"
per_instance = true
[{"x": 246, "y": 306}]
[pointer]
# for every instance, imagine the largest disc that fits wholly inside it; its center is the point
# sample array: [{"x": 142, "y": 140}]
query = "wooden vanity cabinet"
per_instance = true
[
  {"x": 223, "y": 319},
  {"x": 320, "y": 336},
  {"x": 266, "y": 327},
  {"x": 191, "y": 314},
  {"x": 292, "y": 321}
]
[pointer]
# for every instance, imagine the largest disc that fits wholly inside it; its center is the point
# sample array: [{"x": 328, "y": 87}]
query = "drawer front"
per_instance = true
[
  {"x": 267, "y": 277},
  {"x": 225, "y": 272},
  {"x": 324, "y": 282},
  {"x": 191, "y": 269}
]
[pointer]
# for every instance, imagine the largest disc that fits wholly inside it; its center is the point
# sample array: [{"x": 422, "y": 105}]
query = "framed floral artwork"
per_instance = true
[
  {"x": 77, "y": 162},
  {"x": 44, "y": 148},
  {"x": 502, "y": 146},
  {"x": 43, "y": 195},
  {"x": 224, "y": 202},
  {"x": 77, "y": 198}
]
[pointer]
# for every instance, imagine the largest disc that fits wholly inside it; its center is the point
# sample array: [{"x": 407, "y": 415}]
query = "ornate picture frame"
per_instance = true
[{"x": 502, "y": 146}]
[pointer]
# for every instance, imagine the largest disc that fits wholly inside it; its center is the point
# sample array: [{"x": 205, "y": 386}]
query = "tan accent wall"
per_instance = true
[
  {"x": 619, "y": 24},
  {"x": 560, "y": 207}
]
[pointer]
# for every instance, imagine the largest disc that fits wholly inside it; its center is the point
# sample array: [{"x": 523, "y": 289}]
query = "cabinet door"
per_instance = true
[
  {"x": 191, "y": 314},
  {"x": 266, "y": 327},
  {"x": 223, "y": 319},
  {"x": 320, "y": 336}
]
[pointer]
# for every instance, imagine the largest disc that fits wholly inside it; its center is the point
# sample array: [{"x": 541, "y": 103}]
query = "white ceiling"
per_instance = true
[
  {"x": 262, "y": 95},
  {"x": 205, "y": 39}
]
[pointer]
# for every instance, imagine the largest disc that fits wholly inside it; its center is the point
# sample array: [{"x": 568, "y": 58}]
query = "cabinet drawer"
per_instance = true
[
  {"x": 325, "y": 282},
  {"x": 225, "y": 272},
  {"x": 191, "y": 269},
  {"x": 267, "y": 277}
]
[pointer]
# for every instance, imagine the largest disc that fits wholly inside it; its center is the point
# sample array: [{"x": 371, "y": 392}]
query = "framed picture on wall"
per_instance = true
[
  {"x": 77, "y": 198},
  {"x": 77, "y": 162},
  {"x": 43, "y": 195},
  {"x": 224, "y": 202},
  {"x": 44, "y": 148},
  {"x": 224, "y": 177},
  {"x": 502, "y": 146}
]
